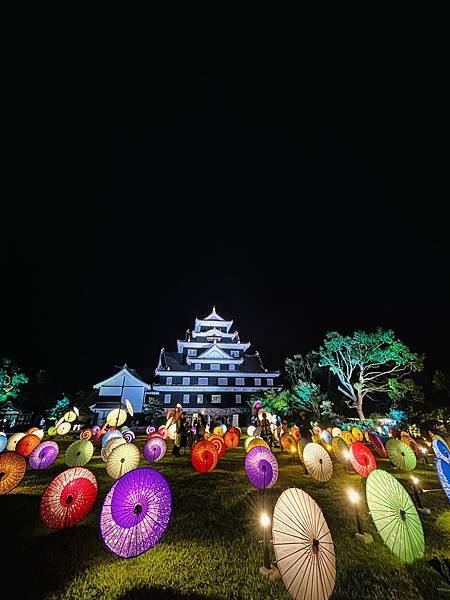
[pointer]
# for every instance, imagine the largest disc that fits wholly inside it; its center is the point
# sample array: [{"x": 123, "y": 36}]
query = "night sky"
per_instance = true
[{"x": 295, "y": 210}]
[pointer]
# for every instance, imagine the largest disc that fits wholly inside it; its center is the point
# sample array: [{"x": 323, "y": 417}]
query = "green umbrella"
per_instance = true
[
  {"x": 79, "y": 453},
  {"x": 395, "y": 516},
  {"x": 401, "y": 455}
]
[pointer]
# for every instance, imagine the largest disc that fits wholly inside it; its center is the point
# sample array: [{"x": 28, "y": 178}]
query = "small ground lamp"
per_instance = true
[
  {"x": 348, "y": 463},
  {"x": 419, "y": 505},
  {"x": 293, "y": 452},
  {"x": 425, "y": 454},
  {"x": 267, "y": 570},
  {"x": 360, "y": 534}
]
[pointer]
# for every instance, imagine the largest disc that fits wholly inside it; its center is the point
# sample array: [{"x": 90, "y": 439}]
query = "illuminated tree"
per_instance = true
[
  {"x": 59, "y": 408},
  {"x": 11, "y": 380},
  {"x": 367, "y": 364}
]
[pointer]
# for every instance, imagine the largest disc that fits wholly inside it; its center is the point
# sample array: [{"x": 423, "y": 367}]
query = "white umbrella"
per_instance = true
[
  {"x": 317, "y": 462},
  {"x": 303, "y": 546}
]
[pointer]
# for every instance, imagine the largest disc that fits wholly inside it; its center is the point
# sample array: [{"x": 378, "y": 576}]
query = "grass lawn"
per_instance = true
[{"x": 211, "y": 548}]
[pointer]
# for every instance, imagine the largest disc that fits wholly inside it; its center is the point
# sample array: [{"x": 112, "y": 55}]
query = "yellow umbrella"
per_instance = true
[
  {"x": 129, "y": 407},
  {"x": 116, "y": 417},
  {"x": 348, "y": 438},
  {"x": 70, "y": 416},
  {"x": 357, "y": 434},
  {"x": 122, "y": 459},
  {"x": 110, "y": 445},
  {"x": 52, "y": 431},
  {"x": 336, "y": 432},
  {"x": 217, "y": 431},
  {"x": 257, "y": 442},
  {"x": 63, "y": 428}
]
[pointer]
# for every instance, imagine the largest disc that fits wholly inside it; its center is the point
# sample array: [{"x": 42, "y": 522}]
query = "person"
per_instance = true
[
  {"x": 183, "y": 430},
  {"x": 266, "y": 433},
  {"x": 303, "y": 427},
  {"x": 42, "y": 422}
]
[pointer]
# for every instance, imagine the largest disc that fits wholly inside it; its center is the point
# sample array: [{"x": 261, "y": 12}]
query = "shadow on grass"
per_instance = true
[{"x": 152, "y": 593}]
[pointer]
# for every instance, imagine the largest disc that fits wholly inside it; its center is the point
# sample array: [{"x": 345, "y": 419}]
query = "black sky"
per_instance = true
[{"x": 294, "y": 208}]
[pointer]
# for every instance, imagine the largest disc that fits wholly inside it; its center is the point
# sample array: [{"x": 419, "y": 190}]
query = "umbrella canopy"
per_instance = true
[
  {"x": 340, "y": 449},
  {"x": 68, "y": 498},
  {"x": 64, "y": 428},
  {"x": 395, "y": 516},
  {"x": 150, "y": 429},
  {"x": 317, "y": 462},
  {"x": 95, "y": 429},
  {"x": 219, "y": 444},
  {"x": 357, "y": 434},
  {"x": 415, "y": 448},
  {"x": 52, "y": 431},
  {"x": 251, "y": 430},
  {"x": 13, "y": 440},
  {"x": 326, "y": 436},
  {"x": 79, "y": 453},
  {"x": 440, "y": 449},
  {"x": 231, "y": 439},
  {"x": 116, "y": 417},
  {"x": 44, "y": 455},
  {"x": 110, "y": 445},
  {"x": 70, "y": 416},
  {"x": 129, "y": 408},
  {"x": 3, "y": 441},
  {"x": 123, "y": 458},
  {"x": 218, "y": 430},
  {"x": 12, "y": 471},
  {"x": 172, "y": 431},
  {"x": 287, "y": 442},
  {"x": 58, "y": 422},
  {"x": 86, "y": 434},
  {"x": 366, "y": 436},
  {"x": 295, "y": 433},
  {"x": 39, "y": 433},
  {"x": 27, "y": 444},
  {"x": 129, "y": 436},
  {"x": 336, "y": 432},
  {"x": 163, "y": 431},
  {"x": 111, "y": 434},
  {"x": 303, "y": 546},
  {"x": 400, "y": 454},
  {"x": 377, "y": 444},
  {"x": 154, "y": 449},
  {"x": 261, "y": 467},
  {"x": 348, "y": 438},
  {"x": 204, "y": 456},
  {"x": 136, "y": 512},
  {"x": 363, "y": 460},
  {"x": 259, "y": 442},
  {"x": 443, "y": 471}
]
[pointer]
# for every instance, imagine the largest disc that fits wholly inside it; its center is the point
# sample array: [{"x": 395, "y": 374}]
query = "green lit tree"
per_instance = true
[
  {"x": 275, "y": 402},
  {"x": 59, "y": 408},
  {"x": 11, "y": 380},
  {"x": 368, "y": 364}
]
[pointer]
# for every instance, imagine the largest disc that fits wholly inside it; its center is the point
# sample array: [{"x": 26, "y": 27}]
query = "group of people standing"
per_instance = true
[{"x": 188, "y": 429}]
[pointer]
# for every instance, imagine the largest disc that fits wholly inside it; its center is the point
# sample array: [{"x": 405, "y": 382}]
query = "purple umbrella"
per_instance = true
[
  {"x": 154, "y": 449},
  {"x": 136, "y": 512},
  {"x": 43, "y": 455},
  {"x": 261, "y": 467}
]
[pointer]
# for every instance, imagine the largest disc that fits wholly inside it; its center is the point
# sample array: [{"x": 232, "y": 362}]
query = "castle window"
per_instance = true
[
  {"x": 202, "y": 381},
  {"x": 232, "y": 367},
  {"x": 238, "y": 398},
  {"x": 192, "y": 352},
  {"x": 199, "y": 398},
  {"x": 186, "y": 380},
  {"x": 270, "y": 382},
  {"x": 240, "y": 381},
  {"x": 223, "y": 381},
  {"x": 216, "y": 398},
  {"x": 257, "y": 381},
  {"x": 214, "y": 367},
  {"x": 168, "y": 380},
  {"x": 167, "y": 398},
  {"x": 185, "y": 398},
  {"x": 235, "y": 353},
  {"x": 197, "y": 366}
]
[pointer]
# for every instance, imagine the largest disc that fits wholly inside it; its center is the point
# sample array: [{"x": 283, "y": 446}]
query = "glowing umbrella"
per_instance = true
[
  {"x": 295, "y": 433},
  {"x": 59, "y": 422},
  {"x": 110, "y": 445},
  {"x": 172, "y": 431},
  {"x": 154, "y": 434},
  {"x": 95, "y": 429},
  {"x": 336, "y": 432},
  {"x": 129, "y": 436},
  {"x": 443, "y": 471},
  {"x": 86, "y": 434},
  {"x": 154, "y": 449},
  {"x": 237, "y": 430},
  {"x": 111, "y": 434},
  {"x": 268, "y": 414},
  {"x": 258, "y": 442},
  {"x": 317, "y": 462},
  {"x": 76, "y": 411},
  {"x": 287, "y": 442},
  {"x": 348, "y": 438},
  {"x": 251, "y": 430},
  {"x": 116, "y": 417},
  {"x": 303, "y": 546},
  {"x": 64, "y": 428},
  {"x": 12, "y": 471},
  {"x": 70, "y": 416},
  {"x": 162, "y": 431},
  {"x": 340, "y": 449},
  {"x": 261, "y": 467},
  {"x": 363, "y": 460},
  {"x": 326, "y": 436},
  {"x": 204, "y": 456},
  {"x": 149, "y": 430},
  {"x": 13, "y": 440},
  {"x": 3, "y": 441},
  {"x": 38, "y": 433},
  {"x": 257, "y": 405},
  {"x": 395, "y": 516},
  {"x": 246, "y": 441},
  {"x": 366, "y": 436},
  {"x": 122, "y": 459},
  {"x": 231, "y": 439},
  {"x": 52, "y": 431},
  {"x": 79, "y": 453},
  {"x": 401, "y": 455},
  {"x": 219, "y": 444},
  {"x": 224, "y": 428},
  {"x": 32, "y": 429},
  {"x": 44, "y": 455},
  {"x": 415, "y": 448},
  {"x": 440, "y": 449},
  {"x": 27, "y": 444},
  {"x": 217, "y": 430},
  {"x": 136, "y": 512},
  {"x": 68, "y": 498},
  {"x": 378, "y": 445},
  {"x": 129, "y": 407},
  {"x": 357, "y": 434}
]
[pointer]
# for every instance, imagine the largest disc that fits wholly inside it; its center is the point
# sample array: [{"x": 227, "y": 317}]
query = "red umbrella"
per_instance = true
[
  {"x": 68, "y": 498},
  {"x": 27, "y": 444},
  {"x": 415, "y": 448},
  {"x": 377, "y": 443},
  {"x": 231, "y": 438},
  {"x": 204, "y": 456},
  {"x": 219, "y": 444},
  {"x": 363, "y": 460}
]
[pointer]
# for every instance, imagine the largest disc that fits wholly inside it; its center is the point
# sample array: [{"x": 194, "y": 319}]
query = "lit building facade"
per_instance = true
[{"x": 211, "y": 372}]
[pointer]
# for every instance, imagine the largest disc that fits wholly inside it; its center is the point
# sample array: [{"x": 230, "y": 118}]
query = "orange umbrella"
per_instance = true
[
  {"x": 288, "y": 442},
  {"x": 231, "y": 439},
  {"x": 295, "y": 432},
  {"x": 12, "y": 470},
  {"x": 27, "y": 444}
]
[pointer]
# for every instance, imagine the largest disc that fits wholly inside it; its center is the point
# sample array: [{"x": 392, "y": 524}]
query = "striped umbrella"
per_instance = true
[
  {"x": 154, "y": 449},
  {"x": 79, "y": 453},
  {"x": 261, "y": 467},
  {"x": 255, "y": 442},
  {"x": 12, "y": 471},
  {"x": 377, "y": 444},
  {"x": 219, "y": 443},
  {"x": 348, "y": 438},
  {"x": 401, "y": 455},
  {"x": 357, "y": 434},
  {"x": 123, "y": 458},
  {"x": 363, "y": 461},
  {"x": 44, "y": 455},
  {"x": 440, "y": 449},
  {"x": 443, "y": 471},
  {"x": 317, "y": 462},
  {"x": 27, "y": 444}
]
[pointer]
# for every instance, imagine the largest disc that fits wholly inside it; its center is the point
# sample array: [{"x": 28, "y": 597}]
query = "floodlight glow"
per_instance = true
[
  {"x": 423, "y": 450},
  {"x": 415, "y": 480},
  {"x": 265, "y": 521},
  {"x": 354, "y": 496}
]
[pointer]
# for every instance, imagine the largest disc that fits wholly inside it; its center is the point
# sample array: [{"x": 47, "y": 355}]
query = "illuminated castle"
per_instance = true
[{"x": 211, "y": 371}]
